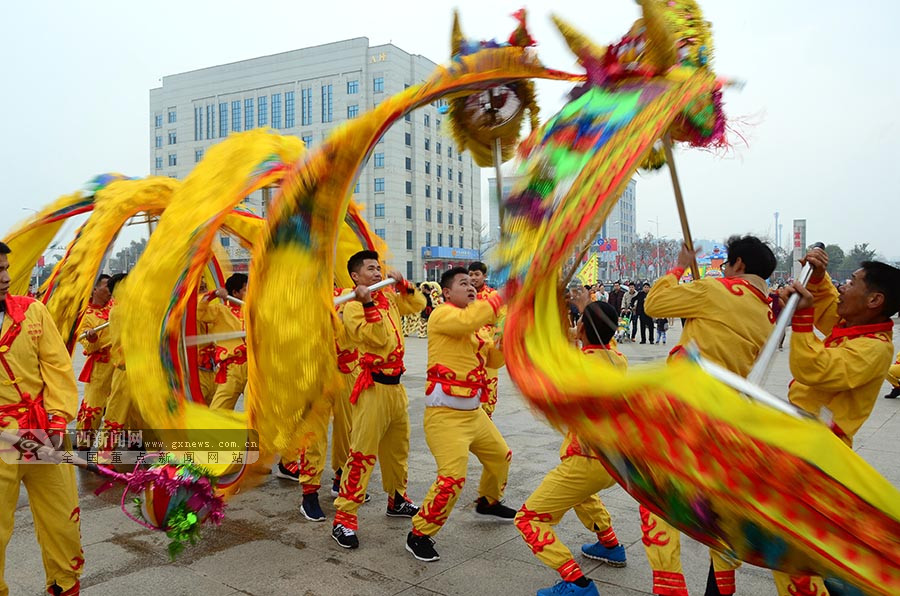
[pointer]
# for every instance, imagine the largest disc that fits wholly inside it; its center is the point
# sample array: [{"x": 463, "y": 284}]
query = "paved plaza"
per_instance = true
[{"x": 265, "y": 547}]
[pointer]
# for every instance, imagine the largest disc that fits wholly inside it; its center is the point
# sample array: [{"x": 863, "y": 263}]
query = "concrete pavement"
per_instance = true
[{"x": 265, "y": 547}]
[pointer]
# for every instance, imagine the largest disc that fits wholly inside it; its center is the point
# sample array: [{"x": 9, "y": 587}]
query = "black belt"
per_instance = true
[{"x": 385, "y": 379}]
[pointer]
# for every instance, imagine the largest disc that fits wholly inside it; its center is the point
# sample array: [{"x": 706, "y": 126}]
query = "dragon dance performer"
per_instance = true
[
  {"x": 206, "y": 353},
  {"x": 38, "y": 392},
  {"x": 119, "y": 413},
  {"x": 893, "y": 378},
  {"x": 455, "y": 423},
  {"x": 729, "y": 319},
  {"x": 379, "y": 406},
  {"x": 844, "y": 373},
  {"x": 478, "y": 276},
  {"x": 574, "y": 484},
  {"x": 311, "y": 463},
  {"x": 231, "y": 354},
  {"x": 97, "y": 372}
]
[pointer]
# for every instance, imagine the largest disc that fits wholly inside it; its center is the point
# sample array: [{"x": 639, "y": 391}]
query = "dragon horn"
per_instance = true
[{"x": 580, "y": 45}]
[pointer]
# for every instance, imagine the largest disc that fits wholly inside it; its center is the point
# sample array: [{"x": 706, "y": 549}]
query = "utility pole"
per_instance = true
[{"x": 656, "y": 221}]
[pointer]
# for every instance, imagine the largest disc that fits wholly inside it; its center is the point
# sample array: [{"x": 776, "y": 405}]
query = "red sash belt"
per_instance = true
[
  {"x": 475, "y": 381},
  {"x": 368, "y": 364},
  {"x": 100, "y": 356},
  {"x": 28, "y": 413}
]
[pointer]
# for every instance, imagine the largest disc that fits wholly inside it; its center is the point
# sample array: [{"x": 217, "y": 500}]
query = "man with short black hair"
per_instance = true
[
  {"x": 379, "y": 405},
  {"x": 455, "y": 424},
  {"x": 97, "y": 371},
  {"x": 642, "y": 317},
  {"x": 478, "y": 278},
  {"x": 38, "y": 397},
  {"x": 615, "y": 297}
]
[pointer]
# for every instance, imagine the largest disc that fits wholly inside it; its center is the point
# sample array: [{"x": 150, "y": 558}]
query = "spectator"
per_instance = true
[
  {"x": 616, "y": 297},
  {"x": 646, "y": 322}
]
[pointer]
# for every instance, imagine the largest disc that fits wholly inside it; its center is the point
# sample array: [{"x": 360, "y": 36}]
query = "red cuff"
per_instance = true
[
  {"x": 803, "y": 320},
  {"x": 496, "y": 302},
  {"x": 678, "y": 272},
  {"x": 56, "y": 424},
  {"x": 209, "y": 296},
  {"x": 408, "y": 287},
  {"x": 372, "y": 313}
]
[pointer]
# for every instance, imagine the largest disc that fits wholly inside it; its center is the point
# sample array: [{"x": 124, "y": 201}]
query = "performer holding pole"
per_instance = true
[
  {"x": 231, "y": 354},
  {"x": 97, "y": 372},
  {"x": 478, "y": 277}
]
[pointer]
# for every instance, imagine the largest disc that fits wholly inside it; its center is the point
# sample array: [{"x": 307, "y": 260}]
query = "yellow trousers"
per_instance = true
[
  {"x": 96, "y": 396},
  {"x": 53, "y": 498},
  {"x": 118, "y": 409},
  {"x": 662, "y": 544},
  {"x": 227, "y": 393},
  {"x": 379, "y": 429},
  {"x": 806, "y": 585},
  {"x": 573, "y": 484},
  {"x": 312, "y": 458},
  {"x": 492, "y": 380},
  {"x": 451, "y": 435},
  {"x": 207, "y": 384}
]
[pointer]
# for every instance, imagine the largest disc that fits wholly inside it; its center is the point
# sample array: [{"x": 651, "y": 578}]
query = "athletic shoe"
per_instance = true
[
  {"x": 401, "y": 508},
  {"x": 344, "y": 536},
  {"x": 291, "y": 471},
  {"x": 614, "y": 557},
  {"x": 894, "y": 394},
  {"x": 564, "y": 588},
  {"x": 497, "y": 511},
  {"x": 422, "y": 547},
  {"x": 311, "y": 509}
]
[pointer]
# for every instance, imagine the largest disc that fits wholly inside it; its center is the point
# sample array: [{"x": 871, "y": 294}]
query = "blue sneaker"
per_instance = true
[
  {"x": 564, "y": 588},
  {"x": 614, "y": 557}
]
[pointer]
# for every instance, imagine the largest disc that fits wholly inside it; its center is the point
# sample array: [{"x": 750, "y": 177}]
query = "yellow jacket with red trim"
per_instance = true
[
  {"x": 844, "y": 373},
  {"x": 347, "y": 354},
  {"x": 572, "y": 445},
  {"x": 459, "y": 354},
  {"x": 894, "y": 372},
  {"x": 729, "y": 319},
  {"x": 94, "y": 316},
  {"x": 34, "y": 362},
  {"x": 222, "y": 318}
]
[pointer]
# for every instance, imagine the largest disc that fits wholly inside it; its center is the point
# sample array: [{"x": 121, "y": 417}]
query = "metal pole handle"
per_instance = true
[{"x": 350, "y": 297}]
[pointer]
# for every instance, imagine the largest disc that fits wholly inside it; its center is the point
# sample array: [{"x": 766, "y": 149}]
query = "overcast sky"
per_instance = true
[{"x": 819, "y": 110}]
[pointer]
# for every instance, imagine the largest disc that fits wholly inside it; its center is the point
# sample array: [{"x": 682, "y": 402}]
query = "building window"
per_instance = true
[
  {"x": 427, "y": 120},
  {"x": 198, "y": 155},
  {"x": 356, "y": 188},
  {"x": 439, "y": 170},
  {"x": 262, "y": 116},
  {"x": 450, "y": 154},
  {"x": 408, "y": 187},
  {"x": 379, "y": 160},
  {"x": 248, "y": 114},
  {"x": 440, "y": 239},
  {"x": 409, "y": 163},
  {"x": 437, "y": 147},
  {"x": 210, "y": 121},
  {"x": 459, "y": 174},
  {"x": 409, "y": 212},
  {"x": 460, "y": 197},
  {"x": 460, "y": 242},
  {"x": 409, "y": 267},
  {"x": 427, "y": 167},
  {"x": 196, "y": 123},
  {"x": 409, "y": 240},
  {"x": 458, "y": 156},
  {"x": 352, "y": 111},
  {"x": 379, "y": 185},
  {"x": 427, "y": 238},
  {"x": 236, "y": 116},
  {"x": 158, "y": 142},
  {"x": 352, "y": 87},
  {"x": 173, "y": 160},
  {"x": 378, "y": 85},
  {"x": 427, "y": 144},
  {"x": 306, "y": 107},
  {"x": 276, "y": 110},
  {"x": 379, "y": 209},
  {"x": 450, "y": 174},
  {"x": 408, "y": 139},
  {"x": 307, "y": 140},
  {"x": 440, "y": 193},
  {"x": 459, "y": 220},
  {"x": 440, "y": 216},
  {"x": 450, "y": 240},
  {"x": 157, "y": 121},
  {"x": 450, "y": 196},
  {"x": 159, "y": 163},
  {"x": 408, "y": 117},
  {"x": 327, "y": 114},
  {"x": 172, "y": 118},
  {"x": 289, "y": 111},
  {"x": 173, "y": 138},
  {"x": 225, "y": 241},
  {"x": 223, "y": 120},
  {"x": 379, "y": 232},
  {"x": 427, "y": 213},
  {"x": 428, "y": 191}
]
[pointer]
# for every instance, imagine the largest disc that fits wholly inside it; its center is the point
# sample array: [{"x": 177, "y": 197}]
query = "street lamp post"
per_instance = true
[{"x": 656, "y": 221}]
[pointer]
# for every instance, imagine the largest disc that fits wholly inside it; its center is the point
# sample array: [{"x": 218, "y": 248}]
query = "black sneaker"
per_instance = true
[
  {"x": 291, "y": 471},
  {"x": 894, "y": 394},
  {"x": 310, "y": 508},
  {"x": 498, "y": 511},
  {"x": 401, "y": 508},
  {"x": 422, "y": 547},
  {"x": 344, "y": 536}
]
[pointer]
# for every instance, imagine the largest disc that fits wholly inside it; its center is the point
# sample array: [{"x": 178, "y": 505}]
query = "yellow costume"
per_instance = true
[
  {"x": 118, "y": 409},
  {"x": 729, "y": 319},
  {"x": 379, "y": 406},
  {"x": 486, "y": 293},
  {"x": 98, "y": 370},
  {"x": 843, "y": 374},
  {"x": 893, "y": 375},
  {"x": 455, "y": 424},
  {"x": 38, "y": 392},
  {"x": 573, "y": 484},
  {"x": 231, "y": 354}
]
